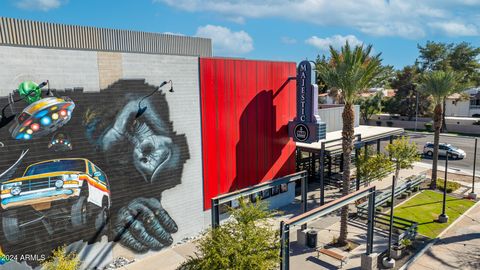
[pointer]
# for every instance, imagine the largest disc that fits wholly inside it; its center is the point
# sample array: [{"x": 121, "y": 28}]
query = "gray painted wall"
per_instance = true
[{"x": 333, "y": 117}]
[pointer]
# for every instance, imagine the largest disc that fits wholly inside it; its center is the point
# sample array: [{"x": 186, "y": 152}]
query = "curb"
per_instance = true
[{"x": 434, "y": 241}]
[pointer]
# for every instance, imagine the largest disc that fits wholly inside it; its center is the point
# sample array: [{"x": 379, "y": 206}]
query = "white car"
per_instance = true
[{"x": 443, "y": 149}]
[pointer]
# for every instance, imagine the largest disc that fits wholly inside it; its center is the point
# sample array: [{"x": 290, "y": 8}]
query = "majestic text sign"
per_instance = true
[{"x": 307, "y": 126}]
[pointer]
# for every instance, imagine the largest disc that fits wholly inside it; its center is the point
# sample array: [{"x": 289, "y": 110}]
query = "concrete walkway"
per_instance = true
[
  {"x": 457, "y": 248},
  {"x": 301, "y": 257}
]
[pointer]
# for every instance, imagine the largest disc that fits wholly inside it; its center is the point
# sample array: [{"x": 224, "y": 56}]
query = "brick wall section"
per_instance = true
[
  {"x": 64, "y": 68},
  {"x": 109, "y": 68}
]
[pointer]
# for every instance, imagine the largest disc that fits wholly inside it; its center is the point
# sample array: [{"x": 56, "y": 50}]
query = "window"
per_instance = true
[
  {"x": 68, "y": 165},
  {"x": 102, "y": 178}
]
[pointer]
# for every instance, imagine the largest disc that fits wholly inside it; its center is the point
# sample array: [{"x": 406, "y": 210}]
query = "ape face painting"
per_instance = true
[{"x": 126, "y": 162}]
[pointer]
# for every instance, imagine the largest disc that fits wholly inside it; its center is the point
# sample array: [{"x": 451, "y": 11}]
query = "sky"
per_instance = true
[{"x": 285, "y": 30}]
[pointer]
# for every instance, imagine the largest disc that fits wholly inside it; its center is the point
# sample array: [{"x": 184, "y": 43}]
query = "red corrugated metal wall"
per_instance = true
[{"x": 246, "y": 106}]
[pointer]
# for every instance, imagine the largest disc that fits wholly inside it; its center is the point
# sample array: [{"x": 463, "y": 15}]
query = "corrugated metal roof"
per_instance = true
[{"x": 28, "y": 33}]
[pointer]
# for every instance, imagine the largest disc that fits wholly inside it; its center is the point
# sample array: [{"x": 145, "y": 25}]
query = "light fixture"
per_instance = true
[
  {"x": 5, "y": 120},
  {"x": 141, "y": 109}
]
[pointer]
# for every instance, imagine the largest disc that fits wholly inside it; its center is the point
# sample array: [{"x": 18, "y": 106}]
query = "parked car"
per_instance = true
[
  {"x": 66, "y": 193},
  {"x": 443, "y": 148}
]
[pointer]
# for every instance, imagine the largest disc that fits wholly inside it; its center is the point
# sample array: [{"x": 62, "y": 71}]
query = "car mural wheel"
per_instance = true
[
  {"x": 13, "y": 233},
  {"x": 101, "y": 218},
  {"x": 429, "y": 153},
  {"x": 79, "y": 212}
]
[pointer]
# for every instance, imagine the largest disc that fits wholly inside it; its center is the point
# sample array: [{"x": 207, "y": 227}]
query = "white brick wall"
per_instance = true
[
  {"x": 63, "y": 68},
  {"x": 184, "y": 202}
]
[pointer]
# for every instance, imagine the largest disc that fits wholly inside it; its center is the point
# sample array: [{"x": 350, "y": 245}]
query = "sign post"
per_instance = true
[{"x": 307, "y": 126}]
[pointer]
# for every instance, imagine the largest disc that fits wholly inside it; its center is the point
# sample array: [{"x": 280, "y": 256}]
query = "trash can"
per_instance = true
[{"x": 312, "y": 239}]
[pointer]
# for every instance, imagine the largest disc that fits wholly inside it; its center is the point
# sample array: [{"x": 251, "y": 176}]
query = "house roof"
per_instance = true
[{"x": 454, "y": 96}]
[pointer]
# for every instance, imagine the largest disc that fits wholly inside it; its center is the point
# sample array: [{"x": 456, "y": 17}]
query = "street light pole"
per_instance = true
[
  {"x": 443, "y": 218},
  {"x": 473, "y": 195},
  {"x": 388, "y": 261}
]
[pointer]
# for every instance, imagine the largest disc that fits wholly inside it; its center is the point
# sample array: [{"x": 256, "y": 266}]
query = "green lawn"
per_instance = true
[{"x": 425, "y": 207}]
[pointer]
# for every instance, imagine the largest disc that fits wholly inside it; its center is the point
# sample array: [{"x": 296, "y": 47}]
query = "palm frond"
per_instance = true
[{"x": 352, "y": 70}]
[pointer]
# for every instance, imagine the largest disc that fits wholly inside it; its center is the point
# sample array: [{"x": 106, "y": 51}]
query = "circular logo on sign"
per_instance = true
[{"x": 301, "y": 132}]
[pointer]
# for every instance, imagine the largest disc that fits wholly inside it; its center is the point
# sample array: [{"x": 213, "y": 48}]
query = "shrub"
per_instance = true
[
  {"x": 406, "y": 242},
  {"x": 428, "y": 126},
  {"x": 389, "y": 202},
  {"x": 60, "y": 260},
  {"x": 451, "y": 186},
  {"x": 334, "y": 240},
  {"x": 389, "y": 123},
  {"x": 415, "y": 188}
]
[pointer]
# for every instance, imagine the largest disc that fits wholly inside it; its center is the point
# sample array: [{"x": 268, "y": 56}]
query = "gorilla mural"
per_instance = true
[{"x": 134, "y": 158}]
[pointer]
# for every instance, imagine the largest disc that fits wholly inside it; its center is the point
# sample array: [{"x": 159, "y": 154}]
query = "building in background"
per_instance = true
[{"x": 465, "y": 104}]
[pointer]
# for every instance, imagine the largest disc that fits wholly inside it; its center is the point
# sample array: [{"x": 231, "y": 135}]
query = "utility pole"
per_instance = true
[
  {"x": 416, "y": 109},
  {"x": 472, "y": 194}
]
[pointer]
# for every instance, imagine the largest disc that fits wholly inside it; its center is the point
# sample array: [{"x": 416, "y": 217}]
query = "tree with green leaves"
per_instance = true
[
  {"x": 403, "y": 154},
  {"x": 246, "y": 241},
  {"x": 370, "y": 105},
  {"x": 405, "y": 100},
  {"x": 372, "y": 166},
  {"x": 439, "y": 84},
  {"x": 352, "y": 70},
  {"x": 461, "y": 58}
]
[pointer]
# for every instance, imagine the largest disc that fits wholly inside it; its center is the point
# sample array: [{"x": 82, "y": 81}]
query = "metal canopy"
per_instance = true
[
  {"x": 322, "y": 211},
  {"x": 217, "y": 201}
]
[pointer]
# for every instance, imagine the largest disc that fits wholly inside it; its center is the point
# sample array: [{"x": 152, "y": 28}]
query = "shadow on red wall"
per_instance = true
[{"x": 260, "y": 144}]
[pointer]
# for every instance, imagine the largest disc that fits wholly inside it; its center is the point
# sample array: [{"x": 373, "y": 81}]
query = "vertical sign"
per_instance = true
[{"x": 306, "y": 127}]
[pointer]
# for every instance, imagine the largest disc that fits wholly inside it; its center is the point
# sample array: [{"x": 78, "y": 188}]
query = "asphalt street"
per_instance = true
[{"x": 465, "y": 143}]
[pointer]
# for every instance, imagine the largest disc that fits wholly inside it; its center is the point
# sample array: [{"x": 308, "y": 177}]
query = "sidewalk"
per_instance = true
[
  {"x": 301, "y": 257},
  {"x": 457, "y": 248}
]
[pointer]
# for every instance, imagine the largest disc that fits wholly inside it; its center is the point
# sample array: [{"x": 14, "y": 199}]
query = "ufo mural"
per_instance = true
[
  {"x": 42, "y": 117},
  {"x": 60, "y": 142}
]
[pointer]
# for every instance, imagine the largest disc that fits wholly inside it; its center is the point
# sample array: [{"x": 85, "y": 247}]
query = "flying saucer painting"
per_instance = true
[
  {"x": 60, "y": 142},
  {"x": 42, "y": 117}
]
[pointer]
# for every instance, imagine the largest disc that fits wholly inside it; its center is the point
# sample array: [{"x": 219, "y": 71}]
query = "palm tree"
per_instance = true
[
  {"x": 351, "y": 70},
  {"x": 439, "y": 84}
]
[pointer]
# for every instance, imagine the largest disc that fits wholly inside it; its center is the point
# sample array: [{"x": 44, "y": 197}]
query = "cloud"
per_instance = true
[
  {"x": 405, "y": 18},
  {"x": 335, "y": 41},
  {"x": 42, "y": 5},
  {"x": 225, "y": 41},
  {"x": 288, "y": 40},
  {"x": 456, "y": 28},
  {"x": 237, "y": 19}
]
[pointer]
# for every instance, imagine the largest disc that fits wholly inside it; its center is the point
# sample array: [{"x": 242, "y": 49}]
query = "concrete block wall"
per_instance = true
[
  {"x": 64, "y": 68},
  {"x": 113, "y": 84}
]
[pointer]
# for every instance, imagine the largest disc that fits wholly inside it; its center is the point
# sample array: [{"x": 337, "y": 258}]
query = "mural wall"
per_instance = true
[{"x": 107, "y": 167}]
